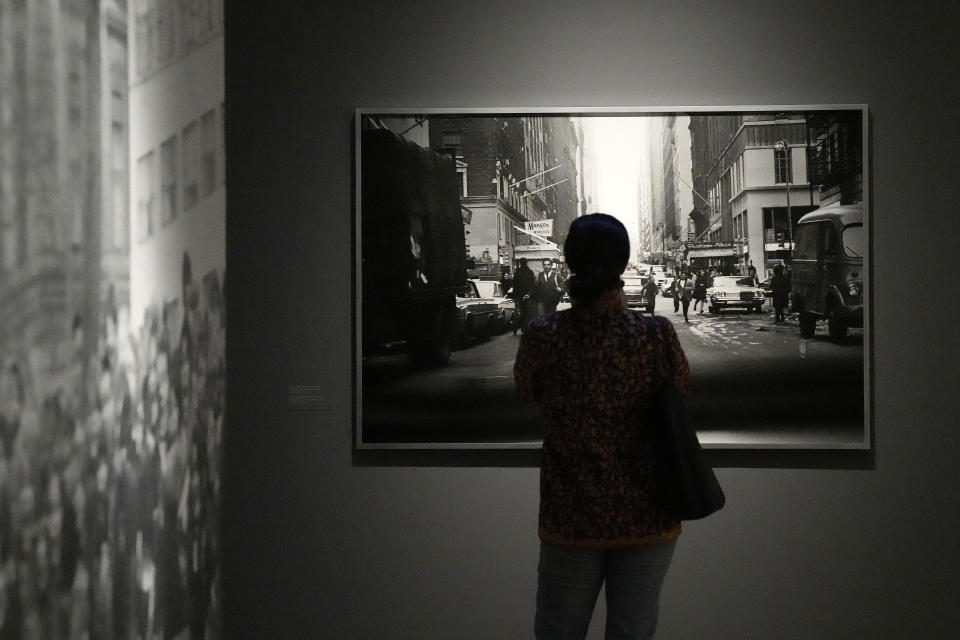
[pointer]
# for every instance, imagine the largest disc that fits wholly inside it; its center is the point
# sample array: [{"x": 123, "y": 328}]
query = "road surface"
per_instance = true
[{"x": 754, "y": 384}]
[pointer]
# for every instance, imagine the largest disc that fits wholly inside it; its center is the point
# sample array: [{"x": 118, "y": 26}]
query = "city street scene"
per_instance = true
[
  {"x": 748, "y": 231},
  {"x": 112, "y": 318}
]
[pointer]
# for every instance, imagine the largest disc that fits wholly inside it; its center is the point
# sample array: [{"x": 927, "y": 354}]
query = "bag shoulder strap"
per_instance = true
[{"x": 661, "y": 353}]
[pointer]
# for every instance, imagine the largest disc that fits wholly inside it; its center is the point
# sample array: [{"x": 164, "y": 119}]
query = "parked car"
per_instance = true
[
  {"x": 734, "y": 291},
  {"x": 827, "y": 273},
  {"x": 494, "y": 290},
  {"x": 633, "y": 289},
  {"x": 477, "y": 317}
]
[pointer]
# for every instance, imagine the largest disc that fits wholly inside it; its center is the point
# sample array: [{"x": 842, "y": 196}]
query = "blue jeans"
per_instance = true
[{"x": 570, "y": 580}]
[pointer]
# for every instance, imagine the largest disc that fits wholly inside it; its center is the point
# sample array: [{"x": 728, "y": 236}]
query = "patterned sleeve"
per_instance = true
[
  {"x": 529, "y": 358},
  {"x": 679, "y": 367}
]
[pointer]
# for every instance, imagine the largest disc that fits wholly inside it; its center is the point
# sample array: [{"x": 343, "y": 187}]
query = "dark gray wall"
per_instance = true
[{"x": 809, "y": 546}]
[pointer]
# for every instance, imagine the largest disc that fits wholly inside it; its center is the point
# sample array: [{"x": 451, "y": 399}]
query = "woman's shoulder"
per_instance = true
[
  {"x": 663, "y": 323},
  {"x": 643, "y": 321},
  {"x": 542, "y": 325}
]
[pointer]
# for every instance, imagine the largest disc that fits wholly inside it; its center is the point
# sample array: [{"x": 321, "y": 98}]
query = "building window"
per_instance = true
[
  {"x": 783, "y": 165},
  {"x": 714, "y": 196},
  {"x": 191, "y": 165},
  {"x": 221, "y": 130},
  {"x": 120, "y": 233},
  {"x": 462, "y": 174},
  {"x": 208, "y": 141},
  {"x": 725, "y": 188},
  {"x": 146, "y": 35},
  {"x": 166, "y": 30},
  {"x": 192, "y": 21},
  {"x": 146, "y": 195},
  {"x": 451, "y": 143},
  {"x": 168, "y": 180},
  {"x": 739, "y": 226}
]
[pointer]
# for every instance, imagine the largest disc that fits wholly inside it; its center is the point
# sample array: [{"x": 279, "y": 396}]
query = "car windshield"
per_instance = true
[
  {"x": 854, "y": 240},
  {"x": 732, "y": 281},
  {"x": 488, "y": 289},
  {"x": 468, "y": 291}
]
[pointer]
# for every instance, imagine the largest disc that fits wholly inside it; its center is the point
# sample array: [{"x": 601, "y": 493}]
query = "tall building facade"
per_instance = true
[
  {"x": 750, "y": 172},
  {"x": 836, "y": 156},
  {"x": 562, "y": 196},
  {"x": 514, "y": 171},
  {"x": 657, "y": 198},
  {"x": 586, "y": 169},
  {"x": 644, "y": 245},
  {"x": 63, "y": 184},
  {"x": 177, "y": 162},
  {"x": 676, "y": 165}
]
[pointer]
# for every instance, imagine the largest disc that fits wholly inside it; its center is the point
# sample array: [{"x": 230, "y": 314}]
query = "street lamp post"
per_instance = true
[{"x": 781, "y": 145}]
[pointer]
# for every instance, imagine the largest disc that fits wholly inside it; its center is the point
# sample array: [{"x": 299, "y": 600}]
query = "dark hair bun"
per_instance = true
[{"x": 597, "y": 250}]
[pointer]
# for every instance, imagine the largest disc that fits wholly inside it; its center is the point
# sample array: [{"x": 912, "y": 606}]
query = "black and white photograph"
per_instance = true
[
  {"x": 749, "y": 230},
  {"x": 112, "y": 318}
]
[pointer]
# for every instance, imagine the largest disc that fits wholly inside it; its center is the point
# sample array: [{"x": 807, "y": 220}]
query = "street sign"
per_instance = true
[
  {"x": 543, "y": 228},
  {"x": 715, "y": 249}
]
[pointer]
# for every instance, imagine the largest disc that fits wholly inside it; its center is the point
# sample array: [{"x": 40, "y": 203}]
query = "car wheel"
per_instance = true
[
  {"x": 714, "y": 309},
  {"x": 837, "y": 326},
  {"x": 808, "y": 324}
]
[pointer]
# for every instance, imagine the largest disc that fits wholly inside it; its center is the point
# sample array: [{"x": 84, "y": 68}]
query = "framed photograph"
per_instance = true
[{"x": 766, "y": 208}]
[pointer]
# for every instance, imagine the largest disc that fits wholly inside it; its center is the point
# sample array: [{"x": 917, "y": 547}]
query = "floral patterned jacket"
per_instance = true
[{"x": 591, "y": 369}]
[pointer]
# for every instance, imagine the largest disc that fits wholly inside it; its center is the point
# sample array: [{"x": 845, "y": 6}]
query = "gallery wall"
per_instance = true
[{"x": 323, "y": 542}]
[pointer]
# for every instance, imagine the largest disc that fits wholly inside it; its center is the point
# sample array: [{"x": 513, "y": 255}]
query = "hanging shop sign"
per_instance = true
[
  {"x": 716, "y": 249},
  {"x": 543, "y": 228}
]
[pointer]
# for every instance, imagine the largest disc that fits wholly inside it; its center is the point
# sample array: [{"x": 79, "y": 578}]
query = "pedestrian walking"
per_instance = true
[
  {"x": 650, "y": 291},
  {"x": 752, "y": 274},
  {"x": 700, "y": 285},
  {"x": 548, "y": 290},
  {"x": 524, "y": 281},
  {"x": 685, "y": 294},
  {"x": 598, "y": 523},
  {"x": 675, "y": 290},
  {"x": 780, "y": 288}
]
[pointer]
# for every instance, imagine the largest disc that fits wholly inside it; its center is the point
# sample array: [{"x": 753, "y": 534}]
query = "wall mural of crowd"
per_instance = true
[{"x": 110, "y": 490}]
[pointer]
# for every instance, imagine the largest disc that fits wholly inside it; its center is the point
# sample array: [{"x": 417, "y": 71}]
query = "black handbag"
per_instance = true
[{"x": 687, "y": 487}]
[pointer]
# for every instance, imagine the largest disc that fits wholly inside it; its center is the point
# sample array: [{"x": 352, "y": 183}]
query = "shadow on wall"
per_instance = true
[{"x": 110, "y": 488}]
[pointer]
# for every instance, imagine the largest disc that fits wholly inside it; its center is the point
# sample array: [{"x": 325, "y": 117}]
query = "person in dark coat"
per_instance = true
[
  {"x": 675, "y": 290},
  {"x": 599, "y": 524},
  {"x": 684, "y": 288},
  {"x": 700, "y": 285},
  {"x": 780, "y": 288},
  {"x": 524, "y": 281},
  {"x": 650, "y": 291}
]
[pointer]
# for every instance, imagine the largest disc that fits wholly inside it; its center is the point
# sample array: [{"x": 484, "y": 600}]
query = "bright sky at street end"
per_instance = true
[{"x": 617, "y": 144}]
